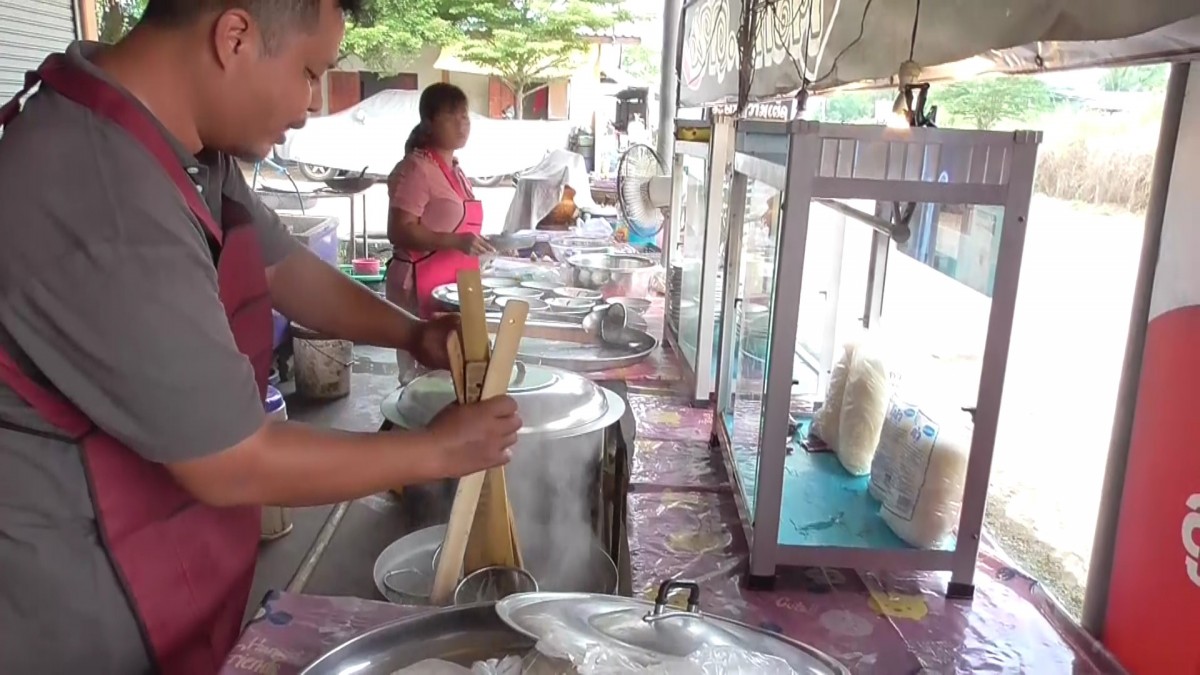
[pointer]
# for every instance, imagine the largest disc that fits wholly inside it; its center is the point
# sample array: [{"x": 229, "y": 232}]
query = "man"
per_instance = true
[{"x": 134, "y": 341}]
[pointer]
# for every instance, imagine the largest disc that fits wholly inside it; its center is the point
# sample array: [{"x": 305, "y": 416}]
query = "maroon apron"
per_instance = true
[
  {"x": 186, "y": 568},
  {"x": 441, "y": 267}
]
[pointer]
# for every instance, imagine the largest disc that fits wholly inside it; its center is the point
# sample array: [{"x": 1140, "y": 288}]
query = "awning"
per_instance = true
[
  {"x": 847, "y": 41},
  {"x": 450, "y": 60}
]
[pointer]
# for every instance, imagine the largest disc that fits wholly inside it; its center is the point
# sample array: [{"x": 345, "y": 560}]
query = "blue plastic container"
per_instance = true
[{"x": 274, "y": 404}]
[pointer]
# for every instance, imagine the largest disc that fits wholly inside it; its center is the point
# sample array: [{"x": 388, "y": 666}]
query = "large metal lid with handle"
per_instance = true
[
  {"x": 644, "y": 633},
  {"x": 553, "y": 403}
]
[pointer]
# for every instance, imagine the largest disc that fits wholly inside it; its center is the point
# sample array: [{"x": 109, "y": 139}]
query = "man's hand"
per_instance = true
[
  {"x": 429, "y": 347},
  {"x": 476, "y": 436}
]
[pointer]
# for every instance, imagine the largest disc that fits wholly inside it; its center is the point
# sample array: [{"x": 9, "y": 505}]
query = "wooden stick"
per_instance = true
[
  {"x": 470, "y": 488},
  {"x": 490, "y": 542},
  {"x": 454, "y": 351},
  {"x": 474, "y": 318}
]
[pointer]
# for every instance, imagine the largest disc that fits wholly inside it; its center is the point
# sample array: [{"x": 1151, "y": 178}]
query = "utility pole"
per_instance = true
[{"x": 668, "y": 88}]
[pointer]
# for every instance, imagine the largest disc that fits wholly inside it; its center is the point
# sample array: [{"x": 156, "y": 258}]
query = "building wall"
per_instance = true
[
  {"x": 421, "y": 65},
  {"x": 29, "y": 31},
  {"x": 474, "y": 86},
  {"x": 567, "y": 98}
]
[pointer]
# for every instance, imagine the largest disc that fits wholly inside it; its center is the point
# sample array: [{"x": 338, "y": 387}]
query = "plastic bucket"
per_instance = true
[
  {"x": 322, "y": 365},
  {"x": 276, "y": 520}
]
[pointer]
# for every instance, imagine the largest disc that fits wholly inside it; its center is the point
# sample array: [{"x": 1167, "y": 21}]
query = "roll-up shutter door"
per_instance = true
[{"x": 29, "y": 30}]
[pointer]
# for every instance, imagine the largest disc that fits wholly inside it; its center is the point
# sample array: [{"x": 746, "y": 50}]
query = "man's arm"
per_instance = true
[
  {"x": 291, "y": 464},
  {"x": 317, "y": 295},
  {"x": 130, "y": 328}
]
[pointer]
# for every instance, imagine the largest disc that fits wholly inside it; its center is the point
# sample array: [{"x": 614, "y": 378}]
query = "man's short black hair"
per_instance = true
[{"x": 275, "y": 17}]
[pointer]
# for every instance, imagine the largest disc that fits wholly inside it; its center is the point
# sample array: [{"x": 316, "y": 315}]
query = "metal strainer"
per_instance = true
[{"x": 493, "y": 583}]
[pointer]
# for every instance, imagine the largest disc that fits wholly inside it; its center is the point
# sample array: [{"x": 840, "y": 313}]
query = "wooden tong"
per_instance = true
[{"x": 481, "y": 532}]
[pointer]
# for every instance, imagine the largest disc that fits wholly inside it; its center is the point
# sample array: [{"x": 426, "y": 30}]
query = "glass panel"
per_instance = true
[
  {"x": 821, "y": 262},
  {"x": 934, "y": 328},
  {"x": 719, "y": 275},
  {"x": 756, "y": 273},
  {"x": 691, "y": 254},
  {"x": 962, "y": 242},
  {"x": 938, "y": 325}
]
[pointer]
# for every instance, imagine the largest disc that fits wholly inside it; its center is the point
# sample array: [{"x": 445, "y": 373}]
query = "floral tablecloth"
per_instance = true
[{"x": 683, "y": 523}]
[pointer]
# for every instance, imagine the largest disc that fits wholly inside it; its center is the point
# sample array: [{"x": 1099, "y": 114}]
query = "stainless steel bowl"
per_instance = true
[
  {"x": 620, "y": 274},
  {"x": 566, "y": 248}
]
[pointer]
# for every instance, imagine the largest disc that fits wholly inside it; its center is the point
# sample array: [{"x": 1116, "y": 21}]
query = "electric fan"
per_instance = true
[{"x": 643, "y": 192}]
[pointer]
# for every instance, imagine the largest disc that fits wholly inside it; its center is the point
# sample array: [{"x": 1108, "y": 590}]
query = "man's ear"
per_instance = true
[{"x": 235, "y": 36}]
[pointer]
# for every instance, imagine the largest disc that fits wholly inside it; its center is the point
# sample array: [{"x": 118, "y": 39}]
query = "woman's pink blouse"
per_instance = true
[{"x": 417, "y": 186}]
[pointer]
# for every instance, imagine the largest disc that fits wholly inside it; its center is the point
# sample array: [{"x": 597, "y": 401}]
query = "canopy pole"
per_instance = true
[
  {"x": 668, "y": 83},
  {"x": 1095, "y": 604}
]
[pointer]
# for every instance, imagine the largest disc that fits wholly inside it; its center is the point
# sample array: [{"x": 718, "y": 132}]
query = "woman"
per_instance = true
[{"x": 435, "y": 221}]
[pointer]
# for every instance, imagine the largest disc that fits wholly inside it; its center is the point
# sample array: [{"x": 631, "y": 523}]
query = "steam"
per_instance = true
[{"x": 552, "y": 486}]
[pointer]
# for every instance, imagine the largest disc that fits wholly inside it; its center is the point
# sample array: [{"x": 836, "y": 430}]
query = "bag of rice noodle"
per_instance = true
[
  {"x": 827, "y": 419},
  {"x": 919, "y": 472},
  {"x": 864, "y": 407}
]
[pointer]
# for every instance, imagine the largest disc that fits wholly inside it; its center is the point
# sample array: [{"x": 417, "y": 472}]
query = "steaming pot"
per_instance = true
[{"x": 555, "y": 474}]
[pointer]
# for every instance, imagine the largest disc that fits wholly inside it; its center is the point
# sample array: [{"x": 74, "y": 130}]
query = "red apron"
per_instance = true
[
  {"x": 431, "y": 270},
  {"x": 185, "y": 567}
]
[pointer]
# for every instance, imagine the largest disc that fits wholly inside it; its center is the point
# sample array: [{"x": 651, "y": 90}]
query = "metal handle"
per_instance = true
[
  {"x": 664, "y": 595},
  {"x": 518, "y": 374}
]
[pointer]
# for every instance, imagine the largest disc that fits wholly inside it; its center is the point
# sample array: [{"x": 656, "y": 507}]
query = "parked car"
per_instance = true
[{"x": 368, "y": 139}]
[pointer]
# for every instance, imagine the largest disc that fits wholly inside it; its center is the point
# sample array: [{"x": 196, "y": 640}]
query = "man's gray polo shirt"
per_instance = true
[{"x": 108, "y": 292}]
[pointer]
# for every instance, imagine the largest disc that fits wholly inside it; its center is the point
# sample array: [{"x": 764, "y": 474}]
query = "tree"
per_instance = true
[
  {"x": 116, "y": 17},
  {"x": 988, "y": 101},
  {"x": 525, "y": 41},
  {"x": 853, "y": 106},
  {"x": 390, "y": 30},
  {"x": 640, "y": 62},
  {"x": 1136, "y": 78}
]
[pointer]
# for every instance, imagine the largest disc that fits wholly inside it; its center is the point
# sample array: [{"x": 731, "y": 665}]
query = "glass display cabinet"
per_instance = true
[
  {"x": 695, "y": 249},
  {"x": 823, "y": 219}
]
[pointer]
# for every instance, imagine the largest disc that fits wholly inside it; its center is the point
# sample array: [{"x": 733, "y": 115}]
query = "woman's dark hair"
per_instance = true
[{"x": 436, "y": 99}]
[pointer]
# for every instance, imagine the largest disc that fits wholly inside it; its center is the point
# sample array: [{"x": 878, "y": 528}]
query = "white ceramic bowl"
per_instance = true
[
  {"x": 571, "y": 305},
  {"x": 518, "y": 292},
  {"x": 639, "y": 305},
  {"x": 579, "y": 293},
  {"x": 544, "y": 286}
]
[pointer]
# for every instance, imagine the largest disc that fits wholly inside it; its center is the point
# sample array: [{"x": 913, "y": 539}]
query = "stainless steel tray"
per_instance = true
[
  {"x": 588, "y": 358},
  {"x": 462, "y": 634}
]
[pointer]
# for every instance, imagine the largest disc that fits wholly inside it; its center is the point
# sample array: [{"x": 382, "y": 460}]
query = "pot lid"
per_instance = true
[
  {"x": 552, "y": 402},
  {"x": 645, "y": 632}
]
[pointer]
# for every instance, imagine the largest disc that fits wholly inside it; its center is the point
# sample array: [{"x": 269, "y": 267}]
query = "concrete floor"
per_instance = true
[{"x": 344, "y": 566}]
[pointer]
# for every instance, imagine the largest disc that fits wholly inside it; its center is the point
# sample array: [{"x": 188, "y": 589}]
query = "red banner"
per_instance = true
[{"x": 1153, "y": 621}]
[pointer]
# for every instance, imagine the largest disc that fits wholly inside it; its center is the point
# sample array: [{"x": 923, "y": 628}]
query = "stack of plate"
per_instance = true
[{"x": 674, "y": 296}]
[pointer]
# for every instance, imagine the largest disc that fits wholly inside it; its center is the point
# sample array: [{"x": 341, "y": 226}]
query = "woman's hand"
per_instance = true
[{"x": 473, "y": 244}]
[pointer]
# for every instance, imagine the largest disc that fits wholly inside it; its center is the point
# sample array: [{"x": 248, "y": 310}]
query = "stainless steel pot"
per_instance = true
[{"x": 555, "y": 474}]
